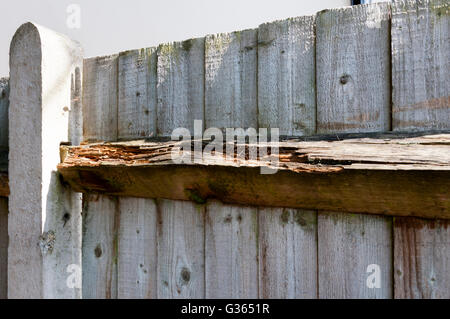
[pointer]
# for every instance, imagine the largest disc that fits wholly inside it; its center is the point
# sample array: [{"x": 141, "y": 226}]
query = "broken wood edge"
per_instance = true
[{"x": 397, "y": 193}]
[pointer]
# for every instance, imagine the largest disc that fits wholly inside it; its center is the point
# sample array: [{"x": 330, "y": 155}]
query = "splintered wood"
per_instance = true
[{"x": 392, "y": 174}]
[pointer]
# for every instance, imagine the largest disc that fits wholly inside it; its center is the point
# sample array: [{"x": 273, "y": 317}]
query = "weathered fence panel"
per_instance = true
[
  {"x": 180, "y": 87},
  {"x": 231, "y": 80},
  {"x": 100, "y": 213},
  {"x": 137, "y": 94},
  {"x": 286, "y": 76},
  {"x": 348, "y": 244},
  {"x": 353, "y": 95},
  {"x": 100, "y": 98},
  {"x": 137, "y": 248},
  {"x": 420, "y": 65},
  {"x": 421, "y": 258},
  {"x": 353, "y": 69},
  {"x": 324, "y": 74},
  {"x": 287, "y": 253},
  {"x": 100, "y": 245},
  {"x": 420, "y": 97},
  {"x": 231, "y": 246}
]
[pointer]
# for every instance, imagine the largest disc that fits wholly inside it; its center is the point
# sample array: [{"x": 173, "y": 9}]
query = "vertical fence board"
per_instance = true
[
  {"x": 137, "y": 94},
  {"x": 180, "y": 91},
  {"x": 353, "y": 69},
  {"x": 100, "y": 227},
  {"x": 137, "y": 256},
  {"x": 181, "y": 253},
  {"x": 286, "y": 76},
  {"x": 231, "y": 268},
  {"x": 353, "y": 95},
  {"x": 420, "y": 65},
  {"x": 421, "y": 258},
  {"x": 3, "y": 248},
  {"x": 348, "y": 244},
  {"x": 100, "y": 98},
  {"x": 137, "y": 253},
  {"x": 180, "y": 85},
  {"x": 100, "y": 213},
  {"x": 287, "y": 253},
  {"x": 231, "y": 80}
]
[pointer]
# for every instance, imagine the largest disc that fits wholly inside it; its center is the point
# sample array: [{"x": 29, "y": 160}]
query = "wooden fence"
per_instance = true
[{"x": 366, "y": 68}]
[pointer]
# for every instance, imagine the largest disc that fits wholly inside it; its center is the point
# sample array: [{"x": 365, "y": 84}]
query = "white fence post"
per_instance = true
[{"x": 44, "y": 223}]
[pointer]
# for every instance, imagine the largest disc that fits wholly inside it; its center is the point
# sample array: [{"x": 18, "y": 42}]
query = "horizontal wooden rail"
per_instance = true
[{"x": 391, "y": 174}]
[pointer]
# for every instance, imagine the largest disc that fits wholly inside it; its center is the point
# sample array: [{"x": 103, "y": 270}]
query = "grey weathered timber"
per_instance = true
[
  {"x": 231, "y": 80},
  {"x": 180, "y": 85},
  {"x": 137, "y": 94},
  {"x": 231, "y": 241},
  {"x": 353, "y": 69},
  {"x": 420, "y": 65},
  {"x": 286, "y": 76},
  {"x": 137, "y": 248},
  {"x": 348, "y": 244},
  {"x": 420, "y": 82},
  {"x": 181, "y": 250},
  {"x": 180, "y": 90},
  {"x": 101, "y": 219},
  {"x": 44, "y": 229},
  {"x": 100, "y": 213},
  {"x": 287, "y": 253},
  {"x": 421, "y": 258},
  {"x": 100, "y": 103},
  {"x": 3, "y": 248},
  {"x": 353, "y": 95}
]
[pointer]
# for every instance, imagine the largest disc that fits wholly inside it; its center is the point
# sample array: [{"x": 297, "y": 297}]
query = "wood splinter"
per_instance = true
[{"x": 390, "y": 174}]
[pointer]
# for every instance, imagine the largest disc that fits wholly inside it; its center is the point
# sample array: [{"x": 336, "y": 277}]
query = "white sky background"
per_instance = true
[{"x": 111, "y": 26}]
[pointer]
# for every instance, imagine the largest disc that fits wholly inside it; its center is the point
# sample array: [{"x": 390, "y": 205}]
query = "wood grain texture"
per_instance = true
[
  {"x": 137, "y": 248},
  {"x": 181, "y": 250},
  {"x": 287, "y": 253},
  {"x": 231, "y": 238},
  {"x": 353, "y": 69},
  {"x": 100, "y": 246},
  {"x": 286, "y": 76},
  {"x": 180, "y": 85},
  {"x": 353, "y": 95},
  {"x": 3, "y": 248},
  {"x": 392, "y": 176},
  {"x": 420, "y": 65},
  {"x": 101, "y": 213},
  {"x": 421, "y": 258},
  {"x": 100, "y": 103},
  {"x": 137, "y": 94},
  {"x": 231, "y": 80},
  {"x": 347, "y": 245}
]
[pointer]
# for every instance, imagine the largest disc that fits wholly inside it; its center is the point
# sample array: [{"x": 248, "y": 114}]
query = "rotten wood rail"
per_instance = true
[{"x": 391, "y": 173}]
